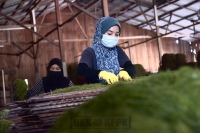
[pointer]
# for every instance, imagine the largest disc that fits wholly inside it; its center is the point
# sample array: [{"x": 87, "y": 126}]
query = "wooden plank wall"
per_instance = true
[{"x": 145, "y": 54}]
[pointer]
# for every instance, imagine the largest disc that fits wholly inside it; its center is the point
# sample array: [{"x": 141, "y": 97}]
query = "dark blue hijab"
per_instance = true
[{"x": 107, "y": 58}]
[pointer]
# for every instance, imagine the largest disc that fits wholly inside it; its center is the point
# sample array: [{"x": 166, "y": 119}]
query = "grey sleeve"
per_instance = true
[
  {"x": 36, "y": 89},
  {"x": 71, "y": 83}
]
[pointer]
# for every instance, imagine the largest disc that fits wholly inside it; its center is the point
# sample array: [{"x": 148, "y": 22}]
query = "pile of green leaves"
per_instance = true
[
  {"x": 140, "y": 71},
  {"x": 21, "y": 89},
  {"x": 80, "y": 88},
  {"x": 4, "y": 124},
  {"x": 3, "y": 113},
  {"x": 93, "y": 86},
  {"x": 168, "y": 62},
  {"x": 167, "y": 102},
  {"x": 180, "y": 60}
]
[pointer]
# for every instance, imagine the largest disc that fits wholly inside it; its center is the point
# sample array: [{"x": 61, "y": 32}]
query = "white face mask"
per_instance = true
[{"x": 109, "y": 41}]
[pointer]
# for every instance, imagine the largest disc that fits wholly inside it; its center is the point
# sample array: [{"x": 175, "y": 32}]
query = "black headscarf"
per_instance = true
[{"x": 55, "y": 79}]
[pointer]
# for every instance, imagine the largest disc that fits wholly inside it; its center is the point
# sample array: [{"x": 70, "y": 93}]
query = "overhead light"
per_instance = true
[
  {"x": 1, "y": 46},
  {"x": 177, "y": 41},
  {"x": 194, "y": 51}
]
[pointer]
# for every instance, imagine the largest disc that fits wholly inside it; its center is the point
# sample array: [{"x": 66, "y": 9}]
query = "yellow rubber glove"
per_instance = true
[
  {"x": 123, "y": 75},
  {"x": 109, "y": 77}
]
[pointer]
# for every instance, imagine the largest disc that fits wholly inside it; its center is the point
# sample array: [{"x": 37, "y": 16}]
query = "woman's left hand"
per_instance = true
[{"x": 123, "y": 75}]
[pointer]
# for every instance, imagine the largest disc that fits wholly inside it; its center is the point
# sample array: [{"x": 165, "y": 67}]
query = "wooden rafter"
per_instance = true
[
  {"x": 82, "y": 9},
  {"x": 27, "y": 28},
  {"x": 14, "y": 4},
  {"x": 67, "y": 21},
  {"x": 168, "y": 22},
  {"x": 105, "y": 9},
  {"x": 159, "y": 36},
  {"x": 10, "y": 27},
  {"x": 167, "y": 13},
  {"x": 44, "y": 10},
  {"x": 145, "y": 17},
  {"x": 79, "y": 24},
  {"x": 22, "y": 51},
  {"x": 119, "y": 8},
  {"x": 36, "y": 2},
  {"x": 17, "y": 8},
  {"x": 60, "y": 32}
]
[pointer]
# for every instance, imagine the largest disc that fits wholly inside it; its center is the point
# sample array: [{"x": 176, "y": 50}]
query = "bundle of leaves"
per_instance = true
[
  {"x": 180, "y": 60},
  {"x": 4, "y": 124},
  {"x": 167, "y": 102},
  {"x": 140, "y": 71},
  {"x": 20, "y": 89},
  {"x": 93, "y": 86},
  {"x": 80, "y": 88},
  {"x": 3, "y": 113},
  {"x": 198, "y": 59},
  {"x": 191, "y": 64},
  {"x": 168, "y": 62}
]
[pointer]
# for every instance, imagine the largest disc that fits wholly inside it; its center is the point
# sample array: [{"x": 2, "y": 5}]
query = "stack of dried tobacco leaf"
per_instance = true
[{"x": 39, "y": 113}]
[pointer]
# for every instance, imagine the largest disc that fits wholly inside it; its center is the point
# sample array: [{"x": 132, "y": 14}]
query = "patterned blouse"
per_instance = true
[{"x": 38, "y": 88}]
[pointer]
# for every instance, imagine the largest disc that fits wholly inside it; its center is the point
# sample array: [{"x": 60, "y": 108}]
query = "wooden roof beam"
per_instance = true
[
  {"x": 167, "y": 13},
  {"x": 60, "y": 33},
  {"x": 145, "y": 17},
  {"x": 178, "y": 20},
  {"x": 50, "y": 41},
  {"x": 22, "y": 51},
  {"x": 12, "y": 5},
  {"x": 119, "y": 8},
  {"x": 79, "y": 12},
  {"x": 105, "y": 8},
  {"x": 82, "y": 9},
  {"x": 36, "y": 2},
  {"x": 16, "y": 27},
  {"x": 67, "y": 21},
  {"x": 44, "y": 10},
  {"x": 79, "y": 24},
  {"x": 159, "y": 36},
  {"x": 168, "y": 23}
]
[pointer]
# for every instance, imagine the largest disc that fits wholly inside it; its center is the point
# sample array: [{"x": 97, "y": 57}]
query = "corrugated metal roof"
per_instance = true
[{"x": 177, "y": 18}]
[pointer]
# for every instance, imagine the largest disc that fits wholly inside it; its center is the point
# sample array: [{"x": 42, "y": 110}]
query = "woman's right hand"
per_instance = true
[{"x": 109, "y": 77}]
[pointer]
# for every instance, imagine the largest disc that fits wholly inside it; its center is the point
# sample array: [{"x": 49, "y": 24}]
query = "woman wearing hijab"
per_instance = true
[
  {"x": 102, "y": 61},
  {"x": 54, "y": 79}
]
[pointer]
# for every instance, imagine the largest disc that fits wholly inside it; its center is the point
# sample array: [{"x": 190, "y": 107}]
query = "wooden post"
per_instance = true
[
  {"x": 4, "y": 90},
  {"x": 158, "y": 34},
  {"x": 60, "y": 36},
  {"x": 105, "y": 8},
  {"x": 37, "y": 75}
]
